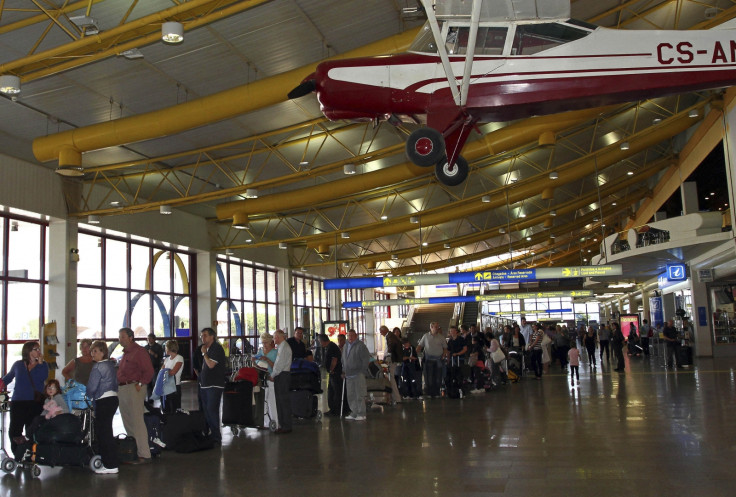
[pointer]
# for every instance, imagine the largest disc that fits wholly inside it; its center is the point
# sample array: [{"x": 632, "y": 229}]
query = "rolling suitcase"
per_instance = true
[
  {"x": 237, "y": 403},
  {"x": 303, "y": 404},
  {"x": 177, "y": 424},
  {"x": 686, "y": 356}
]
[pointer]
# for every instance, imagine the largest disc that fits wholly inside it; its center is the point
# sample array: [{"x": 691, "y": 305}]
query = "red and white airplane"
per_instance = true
[{"x": 501, "y": 60}]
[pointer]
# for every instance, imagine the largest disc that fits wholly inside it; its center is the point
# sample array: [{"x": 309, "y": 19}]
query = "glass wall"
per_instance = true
[
  {"x": 155, "y": 295},
  {"x": 545, "y": 310},
  {"x": 354, "y": 317},
  {"x": 311, "y": 304},
  {"x": 247, "y": 303},
  {"x": 23, "y": 282}
]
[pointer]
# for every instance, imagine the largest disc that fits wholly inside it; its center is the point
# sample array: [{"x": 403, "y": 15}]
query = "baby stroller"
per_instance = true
[
  {"x": 61, "y": 441},
  {"x": 515, "y": 365}
]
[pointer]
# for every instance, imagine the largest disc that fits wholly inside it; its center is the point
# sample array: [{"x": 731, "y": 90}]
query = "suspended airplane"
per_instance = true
[{"x": 480, "y": 61}]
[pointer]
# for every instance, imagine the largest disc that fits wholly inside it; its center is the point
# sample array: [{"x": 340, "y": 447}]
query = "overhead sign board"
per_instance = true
[
  {"x": 468, "y": 298},
  {"x": 498, "y": 276},
  {"x": 676, "y": 272}
]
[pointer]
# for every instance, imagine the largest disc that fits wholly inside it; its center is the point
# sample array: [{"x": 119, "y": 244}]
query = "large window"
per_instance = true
[
  {"x": 23, "y": 282},
  {"x": 154, "y": 295},
  {"x": 354, "y": 316},
  {"x": 311, "y": 303},
  {"x": 247, "y": 303}
]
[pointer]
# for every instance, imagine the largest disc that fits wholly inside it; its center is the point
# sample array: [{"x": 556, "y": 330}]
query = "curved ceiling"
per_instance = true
[{"x": 195, "y": 125}]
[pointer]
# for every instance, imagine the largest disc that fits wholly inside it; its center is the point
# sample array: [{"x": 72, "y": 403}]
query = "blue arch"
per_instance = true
[{"x": 161, "y": 309}]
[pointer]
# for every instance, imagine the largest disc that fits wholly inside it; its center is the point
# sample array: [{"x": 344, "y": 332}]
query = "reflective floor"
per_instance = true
[{"x": 649, "y": 431}]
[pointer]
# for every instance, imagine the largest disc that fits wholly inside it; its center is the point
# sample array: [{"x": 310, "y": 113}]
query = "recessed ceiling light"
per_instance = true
[
  {"x": 384, "y": 217},
  {"x": 424, "y": 244}
]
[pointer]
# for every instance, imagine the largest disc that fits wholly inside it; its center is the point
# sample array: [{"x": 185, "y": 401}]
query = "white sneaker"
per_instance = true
[
  {"x": 351, "y": 417},
  {"x": 106, "y": 471},
  {"x": 420, "y": 398},
  {"x": 159, "y": 442},
  {"x": 359, "y": 418}
]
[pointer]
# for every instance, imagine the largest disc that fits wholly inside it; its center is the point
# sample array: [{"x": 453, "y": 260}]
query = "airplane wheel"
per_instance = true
[
  {"x": 451, "y": 176},
  {"x": 425, "y": 146}
]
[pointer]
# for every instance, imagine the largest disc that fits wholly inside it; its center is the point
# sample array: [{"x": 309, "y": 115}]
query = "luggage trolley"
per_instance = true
[
  {"x": 8, "y": 464},
  {"x": 244, "y": 400}
]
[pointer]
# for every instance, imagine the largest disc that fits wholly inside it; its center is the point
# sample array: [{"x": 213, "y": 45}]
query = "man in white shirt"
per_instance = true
[{"x": 281, "y": 377}]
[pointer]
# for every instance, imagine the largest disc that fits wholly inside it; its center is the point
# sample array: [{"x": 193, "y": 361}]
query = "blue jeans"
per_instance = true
[{"x": 211, "y": 398}]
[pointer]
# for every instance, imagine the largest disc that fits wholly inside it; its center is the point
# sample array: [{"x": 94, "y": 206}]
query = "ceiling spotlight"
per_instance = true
[
  {"x": 447, "y": 246},
  {"x": 486, "y": 199},
  {"x": 554, "y": 175},
  {"x": 251, "y": 193},
  {"x": 229, "y": 252},
  {"x": 629, "y": 173},
  {"x": 165, "y": 209},
  {"x": 93, "y": 219},
  {"x": 345, "y": 264},
  {"x": 424, "y": 244},
  {"x": 552, "y": 236},
  {"x": 87, "y": 24},
  {"x": 394, "y": 257},
  {"x": 528, "y": 239},
  {"x": 595, "y": 219},
  {"x": 9, "y": 84},
  {"x": 522, "y": 214},
  {"x": 115, "y": 203},
  {"x": 656, "y": 120},
  {"x": 303, "y": 268},
  {"x": 131, "y": 54},
  {"x": 345, "y": 235},
  {"x": 502, "y": 230},
  {"x": 414, "y": 219},
  {"x": 70, "y": 171},
  {"x": 172, "y": 32},
  {"x": 693, "y": 113},
  {"x": 348, "y": 169},
  {"x": 283, "y": 245},
  {"x": 625, "y": 146},
  {"x": 553, "y": 213},
  {"x": 240, "y": 221},
  {"x": 248, "y": 240},
  {"x": 384, "y": 217},
  {"x": 304, "y": 163},
  {"x": 712, "y": 193},
  {"x": 614, "y": 203}
]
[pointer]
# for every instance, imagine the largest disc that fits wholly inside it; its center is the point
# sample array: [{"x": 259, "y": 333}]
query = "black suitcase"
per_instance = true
[
  {"x": 237, "y": 403},
  {"x": 62, "y": 428},
  {"x": 306, "y": 380},
  {"x": 179, "y": 423},
  {"x": 686, "y": 356},
  {"x": 259, "y": 401},
  {"x": 303, "y": 404},
  {"x": 59, "y": 454}
]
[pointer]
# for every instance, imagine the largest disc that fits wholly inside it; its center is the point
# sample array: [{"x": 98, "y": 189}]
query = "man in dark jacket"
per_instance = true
[
  {"x": 212, "y": 381},
  {"x": 333, "y": 364},
  {"x": 394, "y": 357}
]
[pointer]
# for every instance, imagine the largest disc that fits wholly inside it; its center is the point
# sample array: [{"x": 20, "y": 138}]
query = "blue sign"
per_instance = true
[
  {"x": 676, "y": 272},
  {"x": 656, "y": 312}
]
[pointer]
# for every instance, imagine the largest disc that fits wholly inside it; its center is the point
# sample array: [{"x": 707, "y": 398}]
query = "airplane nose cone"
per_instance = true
[{"x": 305, "y": 88}]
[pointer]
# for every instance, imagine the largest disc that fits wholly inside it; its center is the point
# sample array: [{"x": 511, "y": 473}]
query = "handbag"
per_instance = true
[{"x": 127, "y": 448}]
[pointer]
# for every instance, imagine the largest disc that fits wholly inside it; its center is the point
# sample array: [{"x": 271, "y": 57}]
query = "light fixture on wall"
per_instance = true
[
  {"x": 172, "y": 32},
  {"x": 87, "y": 24},
  {"x": 9, "y": 84},
  {"x": 348, "y": 169},
  {"x": 93, "y": 219},
  {"x": 165, "y": 209},
  {"x": 251, "y": 193}
]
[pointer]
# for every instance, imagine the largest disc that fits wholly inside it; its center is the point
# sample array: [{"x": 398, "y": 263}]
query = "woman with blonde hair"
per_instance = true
[{"x": 175, "y": 364}]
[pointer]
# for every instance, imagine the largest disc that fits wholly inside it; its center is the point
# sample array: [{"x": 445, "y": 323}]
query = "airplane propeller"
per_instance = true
[{"x": 305, "y": 88}]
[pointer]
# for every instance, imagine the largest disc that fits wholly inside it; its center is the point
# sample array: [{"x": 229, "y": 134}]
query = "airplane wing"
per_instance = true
[{"x": 506, "y": 10}]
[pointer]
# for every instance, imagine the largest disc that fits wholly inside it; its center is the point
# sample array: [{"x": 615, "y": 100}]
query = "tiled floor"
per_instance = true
[{"x": 647, "y": 432}]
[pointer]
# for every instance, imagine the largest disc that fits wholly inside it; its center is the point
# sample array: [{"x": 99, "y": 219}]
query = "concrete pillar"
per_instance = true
[
  {"x": 729, "y": 149},
  {"x": 62, "y": 277},
  {"x": 689, "y": 196},
  {"x": 206, "y": 292},
  {"x": 702, "y": 340},
  {"x": 286, "y": 301},
  {"x": 645, "y": 306},
  {"x": 371, "y": 326}
]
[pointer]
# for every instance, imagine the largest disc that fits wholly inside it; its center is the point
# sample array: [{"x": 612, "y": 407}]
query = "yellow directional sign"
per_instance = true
[{"x": 537, "y": 295}]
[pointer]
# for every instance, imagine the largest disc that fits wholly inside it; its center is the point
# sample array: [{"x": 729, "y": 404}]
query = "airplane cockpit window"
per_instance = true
[
  {"x": 489, "y": 40},
  {"x": 534, "y": 38}
]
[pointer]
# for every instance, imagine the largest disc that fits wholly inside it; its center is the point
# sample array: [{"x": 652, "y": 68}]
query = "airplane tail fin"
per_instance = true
[{"x": 727, "y": 25}]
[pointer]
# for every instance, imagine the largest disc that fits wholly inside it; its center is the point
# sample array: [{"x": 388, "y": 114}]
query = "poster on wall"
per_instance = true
[
  {"x": 629, "y": 323},
  {"x": 334, "y": 328},
  {"x": 656, "y": 314}
]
